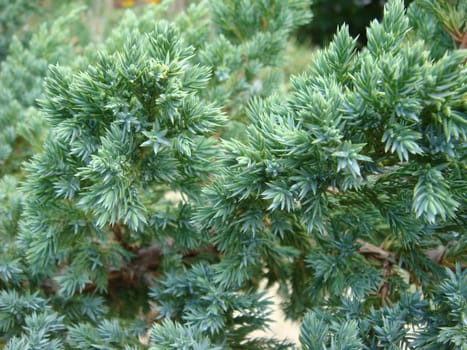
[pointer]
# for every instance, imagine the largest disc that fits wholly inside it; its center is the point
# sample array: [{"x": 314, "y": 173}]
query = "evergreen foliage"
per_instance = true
[
  {"x": 13, "y": 15},
  {"x": 352, "y": 190},
  {"x": 22, "y": 128},
  {"x": 172, "y": 172},
  {"x": 441, "y": 23}
]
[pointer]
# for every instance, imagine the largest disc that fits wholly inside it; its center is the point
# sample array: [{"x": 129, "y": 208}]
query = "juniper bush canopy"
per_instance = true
[{"x": 179, "y": 170}]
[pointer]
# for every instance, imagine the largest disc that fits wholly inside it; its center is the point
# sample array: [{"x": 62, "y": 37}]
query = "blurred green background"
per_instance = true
[{"x": 17, "y": 16}]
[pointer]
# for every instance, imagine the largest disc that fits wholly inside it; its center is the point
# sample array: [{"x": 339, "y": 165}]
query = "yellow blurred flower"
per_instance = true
[{"x": 127, "y": 3}]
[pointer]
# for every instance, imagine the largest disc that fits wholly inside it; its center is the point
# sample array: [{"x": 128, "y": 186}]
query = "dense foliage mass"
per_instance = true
[
  {"x": 172, "y": 170},
  {"x": 13, "y": 15}
]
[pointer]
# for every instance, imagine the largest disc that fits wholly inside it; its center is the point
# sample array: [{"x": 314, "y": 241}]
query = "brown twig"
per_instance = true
[
  {"x": 119, "y": 233},
  {"x": 463, "y": 41},
  {"x": 377, "y": 252}
]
